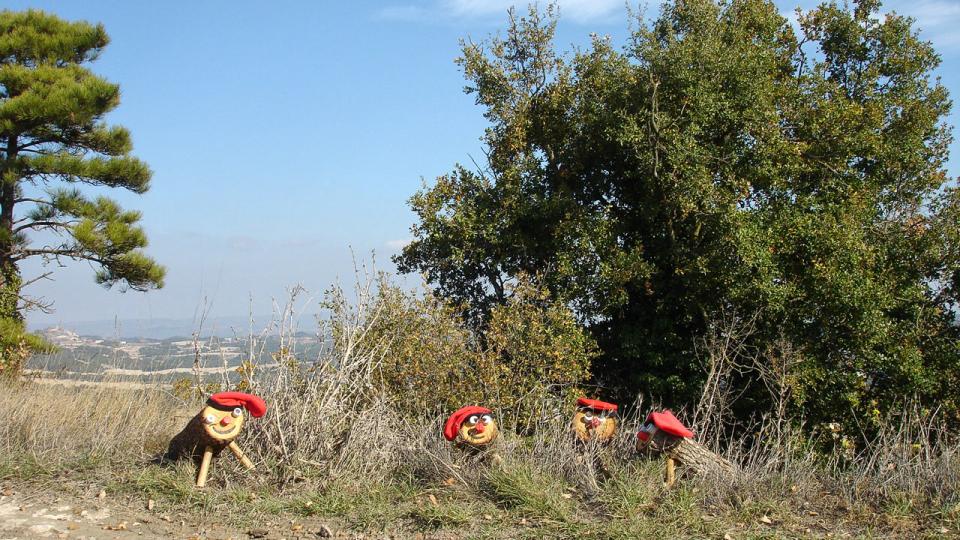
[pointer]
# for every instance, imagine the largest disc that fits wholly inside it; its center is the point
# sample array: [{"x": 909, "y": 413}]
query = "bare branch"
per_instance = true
[{"x": 37, "y": 225}]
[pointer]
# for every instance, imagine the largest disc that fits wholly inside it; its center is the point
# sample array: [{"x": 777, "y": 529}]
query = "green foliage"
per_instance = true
[
  {"x": 533, "y": 349},
  {"x": 720, "y": 161},
  {"x": 16, "y": 345},
  {"x": 52, "y": 132}
]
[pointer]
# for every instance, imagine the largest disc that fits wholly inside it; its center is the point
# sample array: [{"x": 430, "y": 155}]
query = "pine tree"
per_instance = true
[{"x": 53, "y": 138}]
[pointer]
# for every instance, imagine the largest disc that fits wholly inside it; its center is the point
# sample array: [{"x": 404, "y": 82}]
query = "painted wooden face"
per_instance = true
[
  {"x": 590, "y": 424},
  {"x": 478, "y": 430},
  {"x": 645, "y": 436},
  {"x": 222, "y": 425}
]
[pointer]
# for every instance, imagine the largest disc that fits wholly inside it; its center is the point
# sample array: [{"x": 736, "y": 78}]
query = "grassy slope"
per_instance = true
[{"x": 410, "y": 481}]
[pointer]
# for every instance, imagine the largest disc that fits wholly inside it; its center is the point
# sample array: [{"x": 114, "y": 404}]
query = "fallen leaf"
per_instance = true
[
  {"x": 72, "y": 526},
  {"x": 566, "y": 495},
  {"x": 150, "y": 504},
  {"x": 450, "y": 481},
  {"x": 433, "y": 499},
  {"x": 813, "y": 513},
  {"x": 296, "y": 527},
  {"x": 122, "y": 526},
  {"x": 102, "y": 495},
  {"x": 766, "y": 520},
  {"x": 487, "y": 517}
]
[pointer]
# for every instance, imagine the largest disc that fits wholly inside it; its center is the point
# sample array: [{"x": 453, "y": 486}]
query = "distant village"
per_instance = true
[{"x": 79, "y": 356}]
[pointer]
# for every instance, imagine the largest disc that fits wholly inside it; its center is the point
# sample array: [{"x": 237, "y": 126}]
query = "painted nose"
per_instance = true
[
  {"x": 595, "y": 423},
  {"x": 226, "y": 421},
  {"x": 480, "y": 427}
]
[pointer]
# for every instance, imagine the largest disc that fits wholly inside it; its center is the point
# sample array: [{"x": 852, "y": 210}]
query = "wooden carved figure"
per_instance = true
[
  {"x": 663, "y": 433},
  {"x": 595, "y": 420},
  {"x": 216, "y": 427},
  {"x": 471, "y": 426}
]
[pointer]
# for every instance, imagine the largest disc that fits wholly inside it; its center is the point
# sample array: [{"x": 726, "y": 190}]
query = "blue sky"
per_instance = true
[{"x": 287, "y": 136}]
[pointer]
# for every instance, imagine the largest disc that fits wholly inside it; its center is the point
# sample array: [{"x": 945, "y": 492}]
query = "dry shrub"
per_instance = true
[
  {"x": 914, "y": 456},
  {"x": 531, "y": 350},
  {"x": 328, "y": 418}
]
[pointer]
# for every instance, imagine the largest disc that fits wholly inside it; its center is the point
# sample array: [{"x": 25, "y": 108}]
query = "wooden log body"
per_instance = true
[
  {"x": 192, "y": 440},
  {"x": 688, "y": 452}
]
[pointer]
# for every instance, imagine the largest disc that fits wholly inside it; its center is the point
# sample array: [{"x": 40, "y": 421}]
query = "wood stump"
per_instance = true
[{"x": 688, "y": 453}]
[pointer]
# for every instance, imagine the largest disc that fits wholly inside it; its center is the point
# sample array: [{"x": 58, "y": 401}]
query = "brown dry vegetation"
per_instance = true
[{"x": 338, "y": 444}]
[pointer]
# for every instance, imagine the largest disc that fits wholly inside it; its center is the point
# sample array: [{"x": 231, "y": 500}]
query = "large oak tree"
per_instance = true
[{"x": 723, "y": 161}]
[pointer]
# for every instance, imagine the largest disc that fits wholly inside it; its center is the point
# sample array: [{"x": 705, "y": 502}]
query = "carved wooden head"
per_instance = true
[
  {"x": 471, "y": 425},
  {"x": 595, "y": 420},
  {"x": 224, "y": 415}
]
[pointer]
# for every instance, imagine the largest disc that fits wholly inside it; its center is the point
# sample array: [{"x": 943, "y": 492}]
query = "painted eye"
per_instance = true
[
  {"x": 473, "y": 419},
  {"x": 587, "y": 417},
  {"x": 237, "y": 413},
  {"x": 210, "y": 419},
  {"x": 487, "y": 419}
]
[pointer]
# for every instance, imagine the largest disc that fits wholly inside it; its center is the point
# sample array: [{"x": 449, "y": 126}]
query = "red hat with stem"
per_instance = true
[
  {"x": 596, "y": 404},
  {"x": 229, "y": 400}
]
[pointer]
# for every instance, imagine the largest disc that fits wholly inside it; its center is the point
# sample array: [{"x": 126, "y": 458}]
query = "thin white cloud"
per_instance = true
[
  {"x": 937, "y": 20},
  {"x": 397, "y": 245},
  {"x": 580, "y": 11}
]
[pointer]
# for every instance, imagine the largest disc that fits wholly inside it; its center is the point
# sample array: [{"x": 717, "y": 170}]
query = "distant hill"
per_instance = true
[{"x": 170, "y": 328}]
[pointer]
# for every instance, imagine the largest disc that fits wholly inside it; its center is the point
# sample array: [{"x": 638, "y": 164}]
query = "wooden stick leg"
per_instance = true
[
  {"x": 671, "y": 472},
  {"x": 204, "y": 467},
  {"x": 240, "y": 455}
]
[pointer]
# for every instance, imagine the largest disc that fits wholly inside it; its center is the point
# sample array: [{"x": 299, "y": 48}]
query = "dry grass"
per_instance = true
[{"x": 62, "y": 425}]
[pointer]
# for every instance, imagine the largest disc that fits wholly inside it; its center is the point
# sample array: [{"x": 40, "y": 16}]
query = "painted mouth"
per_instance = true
[{"x": 229, "y": 431}]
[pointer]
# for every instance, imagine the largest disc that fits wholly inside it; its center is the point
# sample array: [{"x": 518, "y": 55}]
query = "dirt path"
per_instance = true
[{"x": 27, "y": 513}]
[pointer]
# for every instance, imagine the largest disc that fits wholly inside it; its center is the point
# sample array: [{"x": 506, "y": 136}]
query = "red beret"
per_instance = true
[
  {"x": 596, "y": 404},
  {"x": 229, "y": 400},
  {"x": 666, "y": 421},
  {"x": 452, "y": 426}
]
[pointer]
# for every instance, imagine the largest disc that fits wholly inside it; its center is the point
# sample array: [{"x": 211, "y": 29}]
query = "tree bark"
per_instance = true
[
  {"x": 9, "y": 272},
  {"x": 690, "y": 454}
]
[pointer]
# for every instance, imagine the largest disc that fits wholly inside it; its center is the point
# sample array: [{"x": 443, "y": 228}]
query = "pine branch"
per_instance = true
[
  {"x": 74, "y": 253},
  {"x": 38, "y": 225}
]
